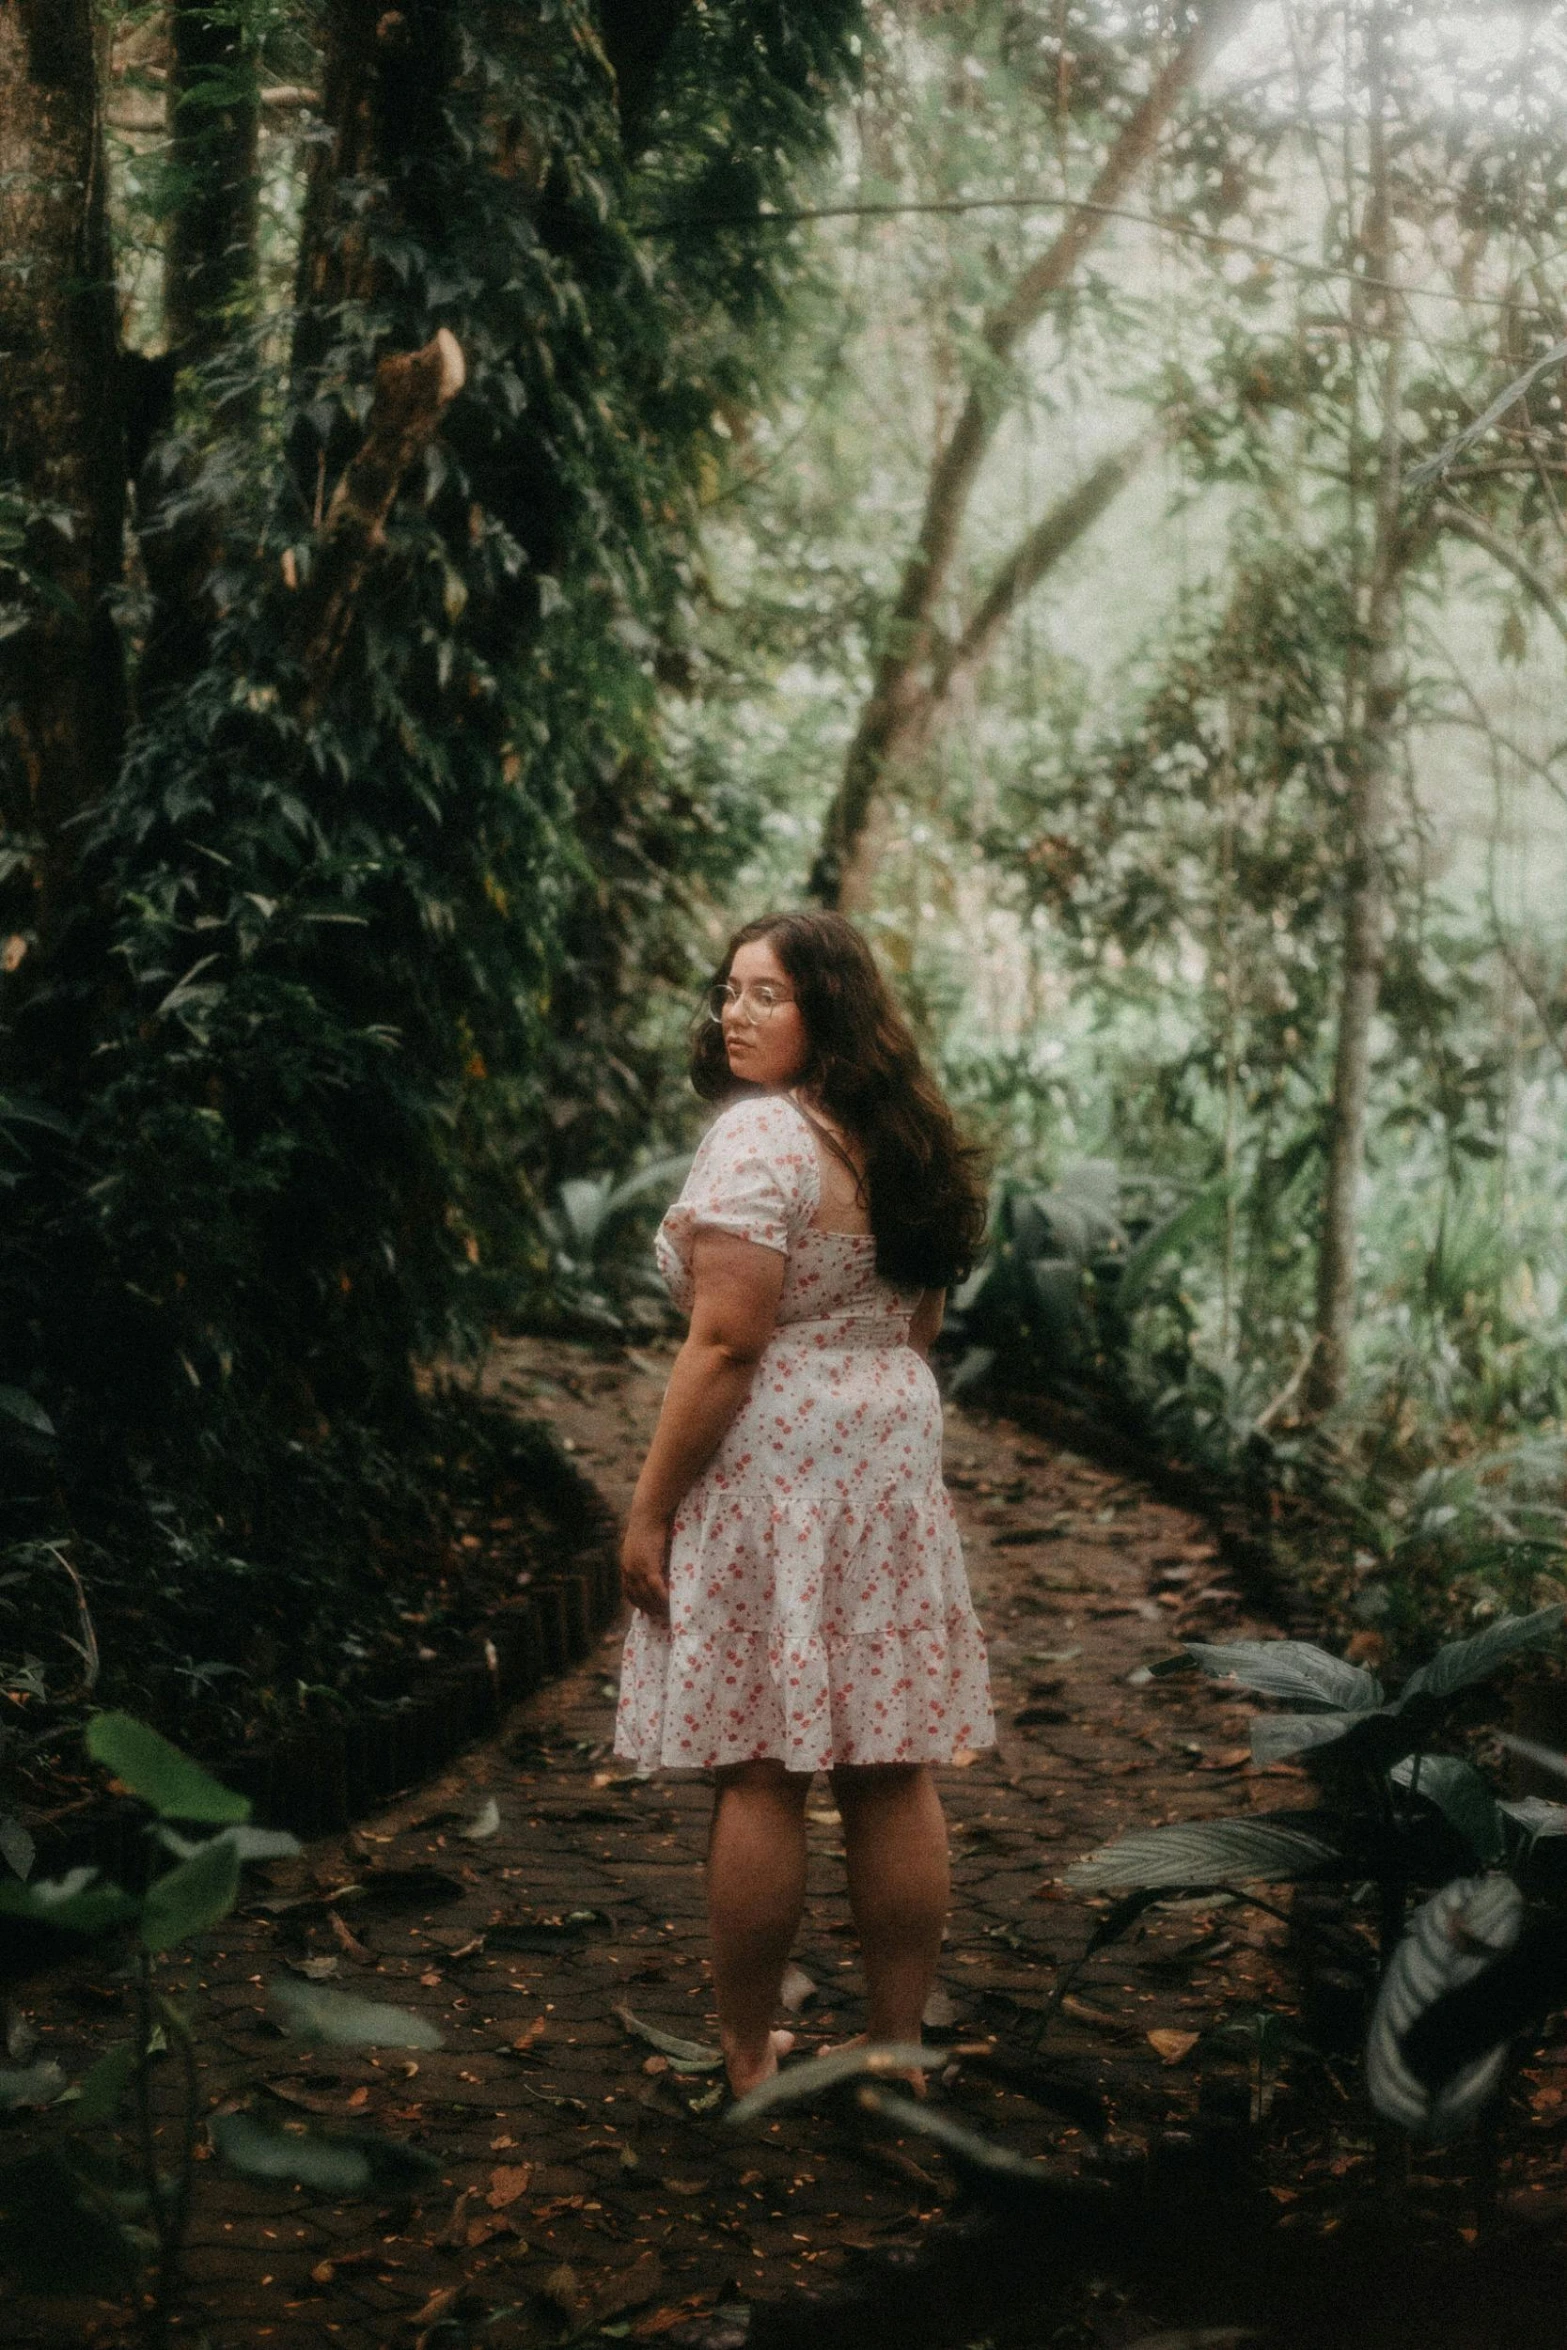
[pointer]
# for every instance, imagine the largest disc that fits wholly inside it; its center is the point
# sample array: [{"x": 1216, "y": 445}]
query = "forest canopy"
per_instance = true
[{"x": 491, "y": 494}]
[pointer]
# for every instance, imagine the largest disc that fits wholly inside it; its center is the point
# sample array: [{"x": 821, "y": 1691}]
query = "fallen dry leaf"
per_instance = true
[
  {"x": 482, "y": 2231},
  {"x": 507, "y": 2181},
  {"x": 456, "y": 2227},
  {"x": 444, "y": 2297},
  {"x": 1172, "y": 2046},
  {"x": 1072, "y": 2005},
  {"x": 675, "y": 2313},
  {"x": 348, "y": 1941},
  {"x": 616, "y": 2292}
]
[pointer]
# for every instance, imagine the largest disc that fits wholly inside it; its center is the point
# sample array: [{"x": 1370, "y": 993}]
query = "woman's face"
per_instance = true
[{"x": 764, "y": 1047}]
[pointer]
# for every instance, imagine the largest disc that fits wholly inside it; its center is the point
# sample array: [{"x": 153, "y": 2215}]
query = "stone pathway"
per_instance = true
[{"x": 585, "y": 2183}]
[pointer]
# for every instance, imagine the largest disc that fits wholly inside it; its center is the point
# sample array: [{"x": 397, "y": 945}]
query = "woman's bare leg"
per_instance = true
[
  {"x": 755, "y": 1893},
  {"x": 895, "y": 1842}
]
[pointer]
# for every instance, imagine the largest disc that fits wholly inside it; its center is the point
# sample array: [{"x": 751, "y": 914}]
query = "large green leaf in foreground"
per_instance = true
[
  {"x": 192, "y": 1897},
  {"x": 340, "y": 2019},
  {"x": 176, "y": 1787},
  {"x": 308, "y": 2158}
]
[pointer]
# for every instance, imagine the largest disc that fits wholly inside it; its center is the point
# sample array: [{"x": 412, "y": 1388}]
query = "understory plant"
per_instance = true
[
  {"x": 1397, "y": 1812},
  {"x": 1078, "y": 1292},
  {"x": 592, "y": 1279},
  {"x": 90, "y": 2211}
]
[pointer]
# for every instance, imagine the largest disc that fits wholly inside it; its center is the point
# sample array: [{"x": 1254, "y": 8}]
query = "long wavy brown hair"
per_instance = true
[{"x": 924, "y": 1180}]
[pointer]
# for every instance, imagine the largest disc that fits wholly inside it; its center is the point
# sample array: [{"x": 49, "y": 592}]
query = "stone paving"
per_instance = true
[{"x": 588, "y": 2184}]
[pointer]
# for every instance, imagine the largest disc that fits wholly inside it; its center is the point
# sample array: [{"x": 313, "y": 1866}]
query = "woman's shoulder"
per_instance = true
[
  {"x": 760, "y": 1138},
  {"x": 761, "y": 1121}
]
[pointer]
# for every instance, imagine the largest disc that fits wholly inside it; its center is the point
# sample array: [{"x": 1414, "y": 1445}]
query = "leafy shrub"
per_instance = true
[
  {"x": 1395, "y": 1811},
  {"x": 88, "y": 2214}
]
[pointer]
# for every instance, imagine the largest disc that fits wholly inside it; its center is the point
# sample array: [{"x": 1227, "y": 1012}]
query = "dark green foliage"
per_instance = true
[
  {"x": 1392, "y": 1811},
  {"x": 88, "y": 2213},
  {"x": 370, "y": 950}
]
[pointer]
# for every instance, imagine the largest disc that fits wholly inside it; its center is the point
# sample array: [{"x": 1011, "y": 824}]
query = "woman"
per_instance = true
[{"x": 791, "y": 1551}]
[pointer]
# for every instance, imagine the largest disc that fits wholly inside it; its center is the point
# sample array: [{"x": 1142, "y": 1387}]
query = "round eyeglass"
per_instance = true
[{"x": 758, "y": 1001}]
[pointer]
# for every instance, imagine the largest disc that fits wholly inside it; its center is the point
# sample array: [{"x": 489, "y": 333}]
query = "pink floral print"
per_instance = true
[{"x": 819, "y": 1608}]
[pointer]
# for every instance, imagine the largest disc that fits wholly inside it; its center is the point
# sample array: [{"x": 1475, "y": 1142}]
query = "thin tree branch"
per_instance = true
[
  {"x": 1046, "y": 543},
  {"x": 1480, "y": 534},
  {"x": 893, "y": 706}
]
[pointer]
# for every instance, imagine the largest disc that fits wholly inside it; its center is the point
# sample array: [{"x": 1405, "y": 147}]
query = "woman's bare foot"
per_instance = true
[
  {"x": 916, "y": 2081},
  {"x": 748, "y": 2068}
]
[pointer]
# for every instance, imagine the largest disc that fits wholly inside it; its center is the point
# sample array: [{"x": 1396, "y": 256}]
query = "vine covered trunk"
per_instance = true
[{"x": 62, "y": 462}]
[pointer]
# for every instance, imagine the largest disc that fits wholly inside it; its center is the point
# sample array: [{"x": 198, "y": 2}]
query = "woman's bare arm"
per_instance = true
[
  {"x": 925, "y": 1321},
  {"x": 737, "y": 1286}
]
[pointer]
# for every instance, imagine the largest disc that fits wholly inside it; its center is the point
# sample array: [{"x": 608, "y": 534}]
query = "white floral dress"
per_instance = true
[{"x": 819, "y": 1609}]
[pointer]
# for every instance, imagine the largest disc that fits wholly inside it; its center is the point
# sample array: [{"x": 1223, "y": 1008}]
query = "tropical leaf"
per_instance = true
[
  {"x": 340, "y": 2165},
  {"x": 1275, "y": 1737},
  {"x": 1198, "y": 1853},
  {"x": 693, "y": 2056},
  {"x": 340, "y": 2019},
  {"x": 1460, "y": 1795},
  {"x": 42, "y": 2083},
  {"x": 1451, "y": 1939},
  {"x": 819, "y": 2076},
  {"x": 583, "y": 1202},
  {"x": 1535, "y": 1816},
  {"x": 1192, "y": 1221},
  {"x": 660, "y": 1175},
  {"x": 972, "y": 1367},
  {"x": 103, "y": 2090},
  {"x": 150, "y": 1767},
  {"x": 191, "y": 1897},
  {"x": 17, "y": 1848},
  {"x": 18, "y": 1405},
  {"x": 249, "y": 1843},
  {"x": 965, "y": 2148},
  {"x": 79, "y": 1902},
  {"x": 1291, "y": 1669},
  {"x": 1462, "y": 1662}
]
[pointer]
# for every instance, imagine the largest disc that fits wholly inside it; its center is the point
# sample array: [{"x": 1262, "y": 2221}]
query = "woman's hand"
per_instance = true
[
  {"x": 737, "y": 1288},
  {"x": 644, "y": 1564}
]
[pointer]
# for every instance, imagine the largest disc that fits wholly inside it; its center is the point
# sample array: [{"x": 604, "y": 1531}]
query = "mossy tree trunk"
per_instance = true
[
  {"x": 61, "y": 450},
  {"x": 214, "y": 131}
]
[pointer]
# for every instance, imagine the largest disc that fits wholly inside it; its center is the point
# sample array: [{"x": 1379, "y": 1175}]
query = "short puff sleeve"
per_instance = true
[{"x": 755, "y": 1174}]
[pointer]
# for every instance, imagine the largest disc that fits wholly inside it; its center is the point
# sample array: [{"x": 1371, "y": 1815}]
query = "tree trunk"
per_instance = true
[
  {"x": 841, "y": 874},
  {"x": 61, "y": 444},
  {"x": 637, "y": 36},
  {"x": 1375, "y": 692},
  {"x": 214, "y": 102},
  {"x": 214, "y": 115},
  {"x": 411, "y": 391},
  {"x": 385, "y": 78}
]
